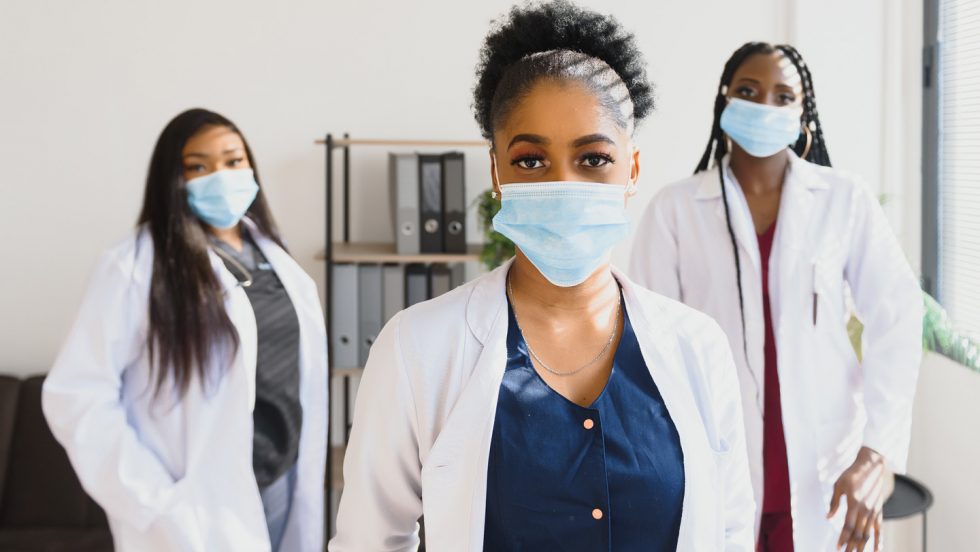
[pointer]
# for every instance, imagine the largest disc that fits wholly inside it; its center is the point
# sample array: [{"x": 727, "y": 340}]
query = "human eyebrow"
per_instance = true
[
  {"x": 535, "y": 139},
  {"x": 592, "y": 139}
]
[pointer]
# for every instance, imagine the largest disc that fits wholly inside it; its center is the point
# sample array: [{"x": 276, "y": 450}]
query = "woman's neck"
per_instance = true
[
  {"x": 532, "y": 288},
  {"x": 232, "y": 236},
  {"x": 758, "y": 175}
]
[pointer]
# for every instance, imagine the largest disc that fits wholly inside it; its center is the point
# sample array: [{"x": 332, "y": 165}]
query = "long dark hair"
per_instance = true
[
  {"x": 187, "y": 318},
  {"x": 810, "y": 145}
]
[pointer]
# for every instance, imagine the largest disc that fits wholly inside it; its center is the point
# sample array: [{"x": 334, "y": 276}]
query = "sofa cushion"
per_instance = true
[
  {"x": 41, "y": 489},
  {"x": 55, "y": 540},
  {"x": 9, "y": 389}
]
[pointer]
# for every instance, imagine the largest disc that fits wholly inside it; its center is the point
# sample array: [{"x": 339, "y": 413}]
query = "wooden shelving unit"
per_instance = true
[
  {"x": 385, "y": 253},
  {"x": 344, "y": 142},
  {"x": 346, "y": 251}
]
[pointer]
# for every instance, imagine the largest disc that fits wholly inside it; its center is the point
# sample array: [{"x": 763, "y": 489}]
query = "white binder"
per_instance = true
[
  {"x": 403, "y": 176},
  {"x": 393, "y": 294},
  {"x": 369, "y": 301},
  {"x": 344, "y": 340}
]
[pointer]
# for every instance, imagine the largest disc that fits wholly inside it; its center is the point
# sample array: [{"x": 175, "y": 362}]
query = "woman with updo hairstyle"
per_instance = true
[{"x": 551, "y": 404}]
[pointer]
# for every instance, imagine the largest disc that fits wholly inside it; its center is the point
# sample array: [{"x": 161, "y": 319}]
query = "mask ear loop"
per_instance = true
[{"x": 496, "y": 177}]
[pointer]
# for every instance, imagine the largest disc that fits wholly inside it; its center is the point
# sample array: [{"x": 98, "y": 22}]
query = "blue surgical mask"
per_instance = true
[
  {"x": 760, "y": 130},
  {"x": 566, "y": 229},
  {"x": 221, "y": 198}
]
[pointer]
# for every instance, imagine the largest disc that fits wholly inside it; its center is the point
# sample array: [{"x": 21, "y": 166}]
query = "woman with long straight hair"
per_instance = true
[
  {"x": 766, "y": 237},
  {"x": 190, "y": 393}
]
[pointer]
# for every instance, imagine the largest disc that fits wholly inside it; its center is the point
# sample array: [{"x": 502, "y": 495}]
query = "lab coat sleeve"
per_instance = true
[
  {"x": 889, "y": 303},
  {"x": 382, "y": 498},
  {"x": 739, "y": 502},
  {"x": 654, "y": 259},
  {"x": 82, "y": 404}
]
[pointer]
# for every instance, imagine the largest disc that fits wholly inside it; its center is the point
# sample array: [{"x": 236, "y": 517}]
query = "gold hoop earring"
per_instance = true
[{"x": 809, "y": 141}]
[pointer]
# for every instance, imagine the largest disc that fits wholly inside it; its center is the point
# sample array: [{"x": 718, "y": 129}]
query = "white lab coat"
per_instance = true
[
  {"x": 830, "y": 232},
  {"x": 177, "y": 475},
  {"x": 427, "y": 401}
]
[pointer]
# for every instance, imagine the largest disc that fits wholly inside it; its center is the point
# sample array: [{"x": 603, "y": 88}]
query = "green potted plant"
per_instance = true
[{"x": 496, "y": 248}]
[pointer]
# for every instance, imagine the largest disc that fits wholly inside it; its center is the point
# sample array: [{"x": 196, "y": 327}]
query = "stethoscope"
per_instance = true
[{"x": 248, "y": 281}]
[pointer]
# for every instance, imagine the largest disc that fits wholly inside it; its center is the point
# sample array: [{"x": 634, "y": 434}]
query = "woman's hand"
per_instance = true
[{"x": 866, "y": 485}]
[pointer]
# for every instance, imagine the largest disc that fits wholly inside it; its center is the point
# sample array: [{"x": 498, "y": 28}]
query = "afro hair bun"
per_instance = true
[{"x": 559, "y": 25}]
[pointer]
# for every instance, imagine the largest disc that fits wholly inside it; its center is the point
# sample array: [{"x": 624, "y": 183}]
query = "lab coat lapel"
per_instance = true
[
  {"x": 456, "y": 467},
  {"x": 750, "y": 265},
  {"x": 662, "y": 356},
  {"x": 240, "y": 312},
  {"x": 742, "y": 225},
  {"x": 307, "y": 506},
  {"x": 288, "y": 273}
]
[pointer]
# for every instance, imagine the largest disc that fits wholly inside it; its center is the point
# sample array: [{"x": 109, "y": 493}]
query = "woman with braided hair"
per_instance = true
[
  {"x": 551, "y": 404},
  {"x": 767, "y": 239}
]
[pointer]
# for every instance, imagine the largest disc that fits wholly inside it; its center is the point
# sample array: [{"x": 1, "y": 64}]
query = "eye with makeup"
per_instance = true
[
  {"x": 589, "y": 160},
  {"x": 526, "y": 158},
  {"x": 595, "y": 160},
  {"x": 528, "y": 162}
]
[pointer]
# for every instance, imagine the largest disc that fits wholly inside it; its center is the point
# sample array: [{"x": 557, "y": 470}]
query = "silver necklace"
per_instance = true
[{"x": 543, "y": 364}]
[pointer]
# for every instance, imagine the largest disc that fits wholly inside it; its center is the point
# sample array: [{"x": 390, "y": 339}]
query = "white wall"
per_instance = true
[
  {"x": 86, "y": 88},
  {"x": 946, "y": 451}
]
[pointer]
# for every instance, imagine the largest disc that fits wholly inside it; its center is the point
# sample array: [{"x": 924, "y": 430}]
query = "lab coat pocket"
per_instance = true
[
  {"x": 434, "y": 470},
  {"x": 178, "y": 528},
  {"x": 827, "y": 294},
  {"x": 439, "y": 480}
]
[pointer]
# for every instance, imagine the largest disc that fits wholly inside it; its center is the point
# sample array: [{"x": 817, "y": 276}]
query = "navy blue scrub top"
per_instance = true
[{"x": 565, "y": 477}]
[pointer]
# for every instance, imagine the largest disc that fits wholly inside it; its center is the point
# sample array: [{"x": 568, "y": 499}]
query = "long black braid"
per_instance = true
[{"x": 810, "y": 145}]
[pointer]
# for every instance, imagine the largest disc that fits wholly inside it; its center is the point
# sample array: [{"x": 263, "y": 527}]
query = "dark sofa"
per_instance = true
[{"x": 42, "y": 504}]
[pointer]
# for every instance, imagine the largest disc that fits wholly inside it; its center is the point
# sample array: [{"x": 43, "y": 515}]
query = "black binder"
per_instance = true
[
  {"x": 416, "y": 284},
  {"x": 430, "y": 204},
  {"x": 454, "y": 201}
]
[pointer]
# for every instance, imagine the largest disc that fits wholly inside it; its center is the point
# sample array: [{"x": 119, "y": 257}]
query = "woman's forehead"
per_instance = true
[
  {"x": 559, "y": 111},
  {"x": 769, "y": 69},
  {"x": 214, "y": 138}
]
